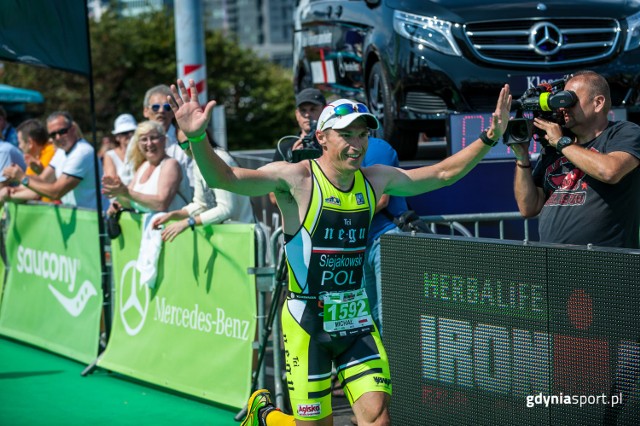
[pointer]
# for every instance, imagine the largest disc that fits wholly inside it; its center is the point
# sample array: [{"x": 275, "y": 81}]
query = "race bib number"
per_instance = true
[{"x": 347, "y": 313}]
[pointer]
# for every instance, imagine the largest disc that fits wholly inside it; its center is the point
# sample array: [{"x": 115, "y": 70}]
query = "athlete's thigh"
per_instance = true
[{"x": 308, "y": 363}]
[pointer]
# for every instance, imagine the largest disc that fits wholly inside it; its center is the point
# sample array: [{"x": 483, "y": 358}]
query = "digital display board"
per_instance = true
[
  {"x": 488, "y": 332},
  {"x": 463, "y": 129}
]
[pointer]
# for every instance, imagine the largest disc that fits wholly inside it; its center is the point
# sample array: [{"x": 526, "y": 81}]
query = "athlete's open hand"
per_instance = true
[
  {"x": 190, "y": 116},
  {"x": 500, "y": 117}
]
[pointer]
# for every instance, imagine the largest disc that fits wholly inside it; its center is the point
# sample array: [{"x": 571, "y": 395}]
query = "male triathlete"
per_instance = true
[{"x": 327, "y": 205}]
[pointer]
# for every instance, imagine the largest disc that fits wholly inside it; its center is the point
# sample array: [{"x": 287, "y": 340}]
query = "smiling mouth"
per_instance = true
[{"x": 354, "y": 155}]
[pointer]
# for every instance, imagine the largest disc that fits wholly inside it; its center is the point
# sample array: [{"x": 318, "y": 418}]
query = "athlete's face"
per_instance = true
[{"x": 346, "y": 147}]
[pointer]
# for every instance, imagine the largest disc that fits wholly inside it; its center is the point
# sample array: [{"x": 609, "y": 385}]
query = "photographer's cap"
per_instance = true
[
  {"x": 341, "y": 113},
  {"x": 311, "y": 96},
  {"x": 124, "y": 123}
]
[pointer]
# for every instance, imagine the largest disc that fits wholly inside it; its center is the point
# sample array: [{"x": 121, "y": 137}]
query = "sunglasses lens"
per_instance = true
[
  {"x": 60, "y": 132},
  {"x": 345, "y": 109},
  {"x": 165, "y": 107}
]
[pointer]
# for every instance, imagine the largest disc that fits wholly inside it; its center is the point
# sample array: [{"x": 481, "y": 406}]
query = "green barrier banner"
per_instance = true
[
  {"x": 193, "y": 331},
  {"x": 2, "y": 273},
  {"x": 53, "y": 295}
]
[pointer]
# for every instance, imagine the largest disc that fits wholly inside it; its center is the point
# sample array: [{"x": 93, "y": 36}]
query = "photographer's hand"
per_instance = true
[
  {"x": 297, "y": 144},
  {"x": 553, "y": 131},
  {"x": 521, "y": 152}
]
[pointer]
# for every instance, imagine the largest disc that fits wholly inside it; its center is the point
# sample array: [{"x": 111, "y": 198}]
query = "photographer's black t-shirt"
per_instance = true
[{"x": 581, "y": 209}]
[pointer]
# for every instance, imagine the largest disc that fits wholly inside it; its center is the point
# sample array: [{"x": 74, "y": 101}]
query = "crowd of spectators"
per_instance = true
[{"x": 139, "y": 166}]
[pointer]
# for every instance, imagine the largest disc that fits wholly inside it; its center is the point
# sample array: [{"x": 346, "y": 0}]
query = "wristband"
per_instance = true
[
  {"x": 198, "y": 138},
  {"x": 191, "y": 222},
  {"x": 523, "y": 167},
  {"x": 486, "y": 139}
]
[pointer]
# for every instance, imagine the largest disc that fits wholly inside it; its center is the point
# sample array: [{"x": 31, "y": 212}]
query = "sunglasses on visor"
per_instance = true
[
  {"x": 156, "y": 107},
  {"x": 345, "y": 109}
]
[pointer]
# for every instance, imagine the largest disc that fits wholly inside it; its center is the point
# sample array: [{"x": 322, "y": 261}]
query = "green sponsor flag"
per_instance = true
[
  {"x": 193, "y": 331},
  {"x": 53, "y": 297}
]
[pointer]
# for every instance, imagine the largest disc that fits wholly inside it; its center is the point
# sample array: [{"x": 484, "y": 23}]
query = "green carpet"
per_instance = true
[{"x": 41, "y": 388}]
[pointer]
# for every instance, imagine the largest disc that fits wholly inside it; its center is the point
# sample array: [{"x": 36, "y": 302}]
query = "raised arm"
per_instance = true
[
  {"x": 193, "y": 119},
  {"x": 450, "y": 170}
]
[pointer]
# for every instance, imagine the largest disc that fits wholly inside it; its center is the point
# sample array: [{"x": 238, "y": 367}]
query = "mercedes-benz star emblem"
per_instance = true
[
  {"x": 545, "y": 38},
  {"x": 134, "y": 299}
]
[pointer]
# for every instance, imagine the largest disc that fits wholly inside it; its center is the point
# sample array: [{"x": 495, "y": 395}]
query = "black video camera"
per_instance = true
[
  {"x": 310, "y": 146},
  {"x": 543, "y": 101}
]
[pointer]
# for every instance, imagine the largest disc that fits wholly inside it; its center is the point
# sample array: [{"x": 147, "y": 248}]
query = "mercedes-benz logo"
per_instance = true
[
  {"x": 134, "y": 299},
  {"x": 545, "y": 38}
]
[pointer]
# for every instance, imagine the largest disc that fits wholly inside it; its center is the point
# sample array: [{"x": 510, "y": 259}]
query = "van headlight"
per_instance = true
[
  {"x": 633, "y": 32},
  {"x": 430, "y": 32}
]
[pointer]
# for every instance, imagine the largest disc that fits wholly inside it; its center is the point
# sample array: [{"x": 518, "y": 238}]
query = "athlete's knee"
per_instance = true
[
  {"x": 372, "y": 409},
  {"x": 374, "y": 418}
]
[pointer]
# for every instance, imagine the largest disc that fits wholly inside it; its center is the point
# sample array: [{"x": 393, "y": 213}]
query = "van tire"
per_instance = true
[{"x": 382, "y": 105}]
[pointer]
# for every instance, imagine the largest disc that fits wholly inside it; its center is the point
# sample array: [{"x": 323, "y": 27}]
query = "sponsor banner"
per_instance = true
[
  {"x": 496, "y": 332},
  {"x": 194, "y": 331},
  {"x": 53, "y": 295}
]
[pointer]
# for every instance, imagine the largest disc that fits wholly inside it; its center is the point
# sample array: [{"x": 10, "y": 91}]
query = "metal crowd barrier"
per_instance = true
[{"x": 454, "y": 223}]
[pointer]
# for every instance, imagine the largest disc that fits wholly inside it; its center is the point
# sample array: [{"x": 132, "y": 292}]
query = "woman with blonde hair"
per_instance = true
[{"x": 158, "y": 184}]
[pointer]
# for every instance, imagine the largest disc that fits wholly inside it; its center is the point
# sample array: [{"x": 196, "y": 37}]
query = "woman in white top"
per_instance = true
[
  {"x": 209, "y": 205},
  {"x": 157, "y": 184},
  {"x": 115, "y": 163}
]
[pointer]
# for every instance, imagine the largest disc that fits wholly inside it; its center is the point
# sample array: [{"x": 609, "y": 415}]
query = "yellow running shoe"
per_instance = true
[{"x": 259, "y": 400}]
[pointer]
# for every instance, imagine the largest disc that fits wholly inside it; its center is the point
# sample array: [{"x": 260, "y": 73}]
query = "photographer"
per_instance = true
[
  {"x": 309, "y": 105},
  {"x": 586, "y": 183}
]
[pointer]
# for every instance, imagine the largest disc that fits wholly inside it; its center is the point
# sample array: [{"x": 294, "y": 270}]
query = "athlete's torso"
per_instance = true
[{"x": 327, "y": 252}]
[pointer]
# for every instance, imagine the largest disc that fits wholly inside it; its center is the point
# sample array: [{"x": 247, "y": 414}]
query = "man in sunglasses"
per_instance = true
[
  {"x": 69, "y": 177},
  {"x": 157, "y": 109},
  {"x": 327, "y": 205}
]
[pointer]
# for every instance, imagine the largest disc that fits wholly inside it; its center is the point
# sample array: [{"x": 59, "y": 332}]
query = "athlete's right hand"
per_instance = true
[{"x": 190, "y": 116}]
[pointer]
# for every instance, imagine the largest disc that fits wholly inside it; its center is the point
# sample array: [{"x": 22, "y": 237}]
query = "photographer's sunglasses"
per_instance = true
[
  {"x": 345, "y": 109},
  {"x": 156, "y": 107}
]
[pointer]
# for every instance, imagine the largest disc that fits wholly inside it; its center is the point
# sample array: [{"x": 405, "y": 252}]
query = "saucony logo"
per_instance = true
[{"x": 75, "y": 305}]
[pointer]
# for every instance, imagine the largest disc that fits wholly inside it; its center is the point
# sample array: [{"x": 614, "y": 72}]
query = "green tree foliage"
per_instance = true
[{"x": 132, "y": 54}]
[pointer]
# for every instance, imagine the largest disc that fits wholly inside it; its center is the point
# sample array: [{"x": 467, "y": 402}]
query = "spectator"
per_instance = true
[
  {"x": 327, "y": 205},
  {"x": 38, "y": 150},
  {"x": 70, "y": 176},
  {"x": 387, "y": 208},
  {"x": 7, "y": 131},
  {"x": 9, "y": 155},
  {"x": 209, "y": 205},
  {"x": 157, "y": 185},
  {"x": 157, "y": 109},
  {"x": 585, "y": 185},
  {"x": 33, "y": 141},
  {"x": 106, "y": 144},
  {"x": 115, "y": 161}
]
